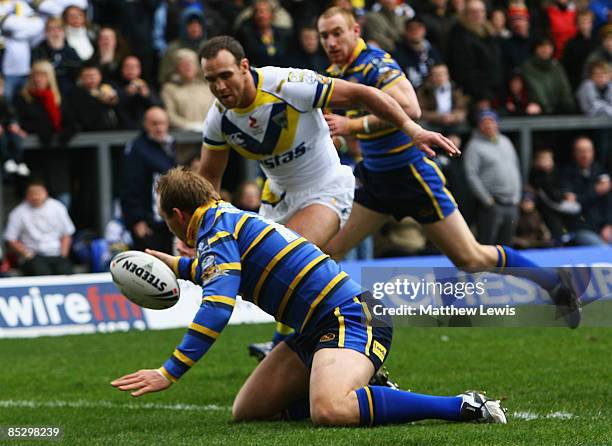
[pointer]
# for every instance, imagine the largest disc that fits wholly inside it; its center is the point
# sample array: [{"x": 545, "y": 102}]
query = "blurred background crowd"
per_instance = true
[{"x": 75, "y": 66}]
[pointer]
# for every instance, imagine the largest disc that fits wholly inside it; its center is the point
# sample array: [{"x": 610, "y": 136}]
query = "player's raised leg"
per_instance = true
[
  {"x": 280, "y": 379},
  {"x": 361, "y": 223}
]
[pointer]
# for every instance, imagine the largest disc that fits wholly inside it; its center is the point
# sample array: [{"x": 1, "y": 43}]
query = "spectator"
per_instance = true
[
  {"x": 544, "y": 178},
  {"x": 248, "y": 196},
  {"x": 498, "y": 21},
  {"x": 40, "y": 231},
  {"x": 385, "y": 23},
  {"x": 601, "y": 9},
  {"x": 493, "y": 174},
  {"x": 547, "y": 83},
  {"x": 531, "y": 232},
  {"x": 414, "y": 53},
  {"x": 20, "y": 30},
  {"x": 93, "y": 102},
  {"x": 587, "y": 183},
  {"x": 604, "y": 51},
  {"x": 40, "y": 108},
  {"x": 135, "y": 95},
  {"x": 78, "y": 35},
  {"x": 439, "y": 19},
  {"x": 442, "y": 103},
  {"x": 187, "y": 97},
  {"x": 516, "y": 101},
  {"x": 561, "y": 15},
  {"x": 265, "y": 43},
  {"x": 308, "y": 54},
  {"x": 65, "y": 60},
  {"x": 11, "y": 137},
  {"x": 280, "y": 19},
  {"x": 578, "y": 49},
  {"x": 474, "y": 54},
  {"x": 191, "y": 37},
  {"x": 147, "y": 157},
  {"x": 517, "y": 48},
  {"x": 595, "y": 93},
  {"x": 108, "y": 55}
]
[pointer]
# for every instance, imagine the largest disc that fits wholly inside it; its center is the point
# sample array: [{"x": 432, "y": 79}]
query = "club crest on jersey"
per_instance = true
[
  {"x": 209, "y": 269},
  {"x": 280, "y": 119},
  {"x": 253, "y": 122},
  {"x": 295, "y": 76}
]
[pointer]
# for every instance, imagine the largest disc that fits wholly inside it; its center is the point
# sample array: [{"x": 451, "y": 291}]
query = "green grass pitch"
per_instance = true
[{"x": 555, "y": 382}]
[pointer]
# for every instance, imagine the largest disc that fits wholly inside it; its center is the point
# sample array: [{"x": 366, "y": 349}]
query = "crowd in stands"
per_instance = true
[{"x": 71, "y": 66}]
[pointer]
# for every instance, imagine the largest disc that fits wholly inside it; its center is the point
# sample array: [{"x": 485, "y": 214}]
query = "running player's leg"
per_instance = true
[
  {"x": 454, "y": 238},
  {"x": 280, "y": 379},
  {"x": 316, "y": 223},
  {"x": 361, "y": 223}
]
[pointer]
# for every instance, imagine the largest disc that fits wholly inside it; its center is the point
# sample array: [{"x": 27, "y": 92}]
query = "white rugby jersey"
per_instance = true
[{"x": 283, "y": 128}]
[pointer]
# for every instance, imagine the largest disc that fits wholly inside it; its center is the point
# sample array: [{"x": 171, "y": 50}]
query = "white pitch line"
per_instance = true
[
  {"x": 530, "y": 416},
  {"x": 84, "y": 404}
]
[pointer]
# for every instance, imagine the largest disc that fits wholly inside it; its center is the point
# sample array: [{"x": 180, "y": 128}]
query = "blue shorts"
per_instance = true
[
  {"x": 417, "y": 190},
  {"x": 351, "y": 325}
]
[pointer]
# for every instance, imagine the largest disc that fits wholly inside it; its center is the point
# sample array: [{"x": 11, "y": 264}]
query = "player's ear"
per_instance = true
[
  {"x": 244, "y": 65},
  {"x": 357, "y": 29}
]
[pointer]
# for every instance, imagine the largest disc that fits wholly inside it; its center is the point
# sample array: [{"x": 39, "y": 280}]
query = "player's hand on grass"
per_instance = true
[
  {"x": 166, "y": 258},
  {"x": 143, "y": 381},
  {"x": 338, "y": 125},
  {"x": 425, "y": 140}
]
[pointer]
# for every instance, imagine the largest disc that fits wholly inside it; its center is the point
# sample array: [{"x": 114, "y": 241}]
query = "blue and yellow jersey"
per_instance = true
[
  {"x": 283, "y": 128},
  {"x": 266, "y": 263},
  {"x": 386, "y": 149}
]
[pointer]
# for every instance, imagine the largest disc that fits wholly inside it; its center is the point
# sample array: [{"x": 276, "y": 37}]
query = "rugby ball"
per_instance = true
[{"x": 145, "y": 280}]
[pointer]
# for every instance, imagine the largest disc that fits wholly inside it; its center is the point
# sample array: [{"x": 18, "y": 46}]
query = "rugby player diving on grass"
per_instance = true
[{"x": 323, "y": 370}]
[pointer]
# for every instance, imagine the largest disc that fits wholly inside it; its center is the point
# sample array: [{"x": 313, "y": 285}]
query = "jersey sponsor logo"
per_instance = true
[
  {"x": 209, "y": 269},
  {"x": 284, "y": 158},
  {"x": 327, "y": 337},
  {"x": 295, "y": 76},
  {"x": 379, "y": 350}
]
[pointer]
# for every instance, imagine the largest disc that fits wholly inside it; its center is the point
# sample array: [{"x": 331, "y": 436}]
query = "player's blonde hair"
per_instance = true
[
  {"x": 337, "y": 10},
  {"x": 183, "y": 189}
]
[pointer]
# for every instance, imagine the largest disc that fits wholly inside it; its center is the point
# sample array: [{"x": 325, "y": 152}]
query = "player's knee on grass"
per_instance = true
[{"x": 335, "y": 410}]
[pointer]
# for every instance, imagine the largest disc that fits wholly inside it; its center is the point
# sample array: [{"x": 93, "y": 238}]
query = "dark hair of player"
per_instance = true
[
  {"x": 183, "y": 189},
  {"x": 212, "y": 47}
]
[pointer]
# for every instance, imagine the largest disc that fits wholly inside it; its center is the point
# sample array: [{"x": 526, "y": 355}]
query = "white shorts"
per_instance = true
[{"x": 337, "y": 194}]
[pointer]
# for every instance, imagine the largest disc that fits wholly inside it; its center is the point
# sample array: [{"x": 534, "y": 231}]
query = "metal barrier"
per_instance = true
[{"x": 103, "y": 141}]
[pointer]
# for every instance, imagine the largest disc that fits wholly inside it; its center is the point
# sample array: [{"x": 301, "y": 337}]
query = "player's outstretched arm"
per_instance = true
[
  {"x": 142, "y": 381},
  {"x": 348, "y": 95}
]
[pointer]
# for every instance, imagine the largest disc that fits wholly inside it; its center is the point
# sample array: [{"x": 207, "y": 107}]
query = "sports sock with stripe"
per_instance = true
[
  {"x": 384, "y": 405},
  {"x": 520, "y": 266},
  {"x": 281, "y": 333}
]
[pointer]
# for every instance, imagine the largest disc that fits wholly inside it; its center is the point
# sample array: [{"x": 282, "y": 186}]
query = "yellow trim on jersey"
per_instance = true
[
  {"x": 378, "y": 134},
  {"x": 427, "y": 189},
  {"x": 370, "y": 404},
  {"x": 331, "y": 87},
  {"x": 194, "y": 266},
  {"x": 341, "y": 328},
  {"x": 268, "y": 268},
  {"x": 392, "y": 83},
  {"x": 217, "y": 236},
  {"x": 233, "y": 266},
  {"x": 366, "y": 311},
  {"x": 194, "y": 222},
  {"x": 239, "y": 225},
  {"x": 204, "y": 330},
  {"x": 324, "y": 292},
  {"x": 184, "y": 359},
  {"x": 255, "y": 242},
  {"x": 175, "y": 265},
  {"x": 267, "y": 195},
  {"x": 220, "y": 299},
  {"x": 217, "y": 148},
  {"x": 287, "y": 135},
  {"x": 167, "y": 374},
  {"x": 296, "y": 280},
  {"x": 401, "y": 148}
]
